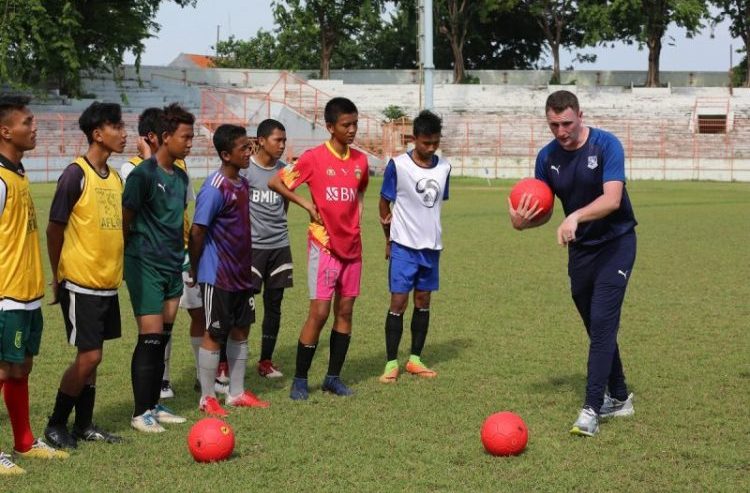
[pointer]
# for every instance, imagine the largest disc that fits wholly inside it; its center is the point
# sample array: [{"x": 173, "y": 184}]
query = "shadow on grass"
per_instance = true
[
  {"x": 575, "y": 382},
  {"x": 359, "y": 369}
]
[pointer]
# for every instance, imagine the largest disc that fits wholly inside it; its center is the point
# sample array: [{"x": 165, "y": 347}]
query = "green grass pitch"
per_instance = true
[{"x": 504, "y": 335}]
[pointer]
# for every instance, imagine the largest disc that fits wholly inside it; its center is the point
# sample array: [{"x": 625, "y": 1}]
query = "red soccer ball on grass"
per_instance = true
[
  {"x": 504, "y": 433},
  {"x": 537, "y": 189},
  {"x": 211, "y": 440}
]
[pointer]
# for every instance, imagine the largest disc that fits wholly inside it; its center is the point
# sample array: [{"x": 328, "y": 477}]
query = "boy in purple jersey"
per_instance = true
[{"x": 220, "y": 249}]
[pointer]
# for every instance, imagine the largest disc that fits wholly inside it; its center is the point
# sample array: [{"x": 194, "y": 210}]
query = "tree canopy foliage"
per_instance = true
[{"x": 46, "y": 43}]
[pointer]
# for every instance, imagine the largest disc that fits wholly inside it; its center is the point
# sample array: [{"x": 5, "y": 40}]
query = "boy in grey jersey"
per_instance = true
[{"x": 272, "y": 256}]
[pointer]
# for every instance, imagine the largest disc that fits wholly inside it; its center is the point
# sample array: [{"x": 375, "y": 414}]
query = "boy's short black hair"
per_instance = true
[
  {"x": 266, "y": 127},
  {"x": 174, "y": 116},
  {"x": 337, "y": 107},
  {"x": 559, "y": 101},
  {"x": 12, "y": 102},
  {"x": 151, "y": 121},
  {"x": 97, "y": 115},
  {"x": 226, "y": 135},
  {"x": 427, "y": 123}
]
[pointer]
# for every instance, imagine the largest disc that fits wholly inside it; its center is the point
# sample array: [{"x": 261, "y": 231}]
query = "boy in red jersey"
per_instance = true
[{"x": 337, "y": 177}]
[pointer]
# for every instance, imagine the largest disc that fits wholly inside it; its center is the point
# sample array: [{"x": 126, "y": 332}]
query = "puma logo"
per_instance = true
[
  {"x": 163, "y": 188},
  {"x": 556, "y": 168},
  {"x": 623, "y": 273}
]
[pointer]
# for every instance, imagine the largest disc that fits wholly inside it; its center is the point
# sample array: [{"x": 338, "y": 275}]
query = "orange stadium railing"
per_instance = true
[{"x": 485, "y": 145}]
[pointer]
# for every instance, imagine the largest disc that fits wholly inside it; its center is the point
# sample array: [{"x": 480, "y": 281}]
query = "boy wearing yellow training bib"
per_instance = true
[{"x": 85, "y": 246}]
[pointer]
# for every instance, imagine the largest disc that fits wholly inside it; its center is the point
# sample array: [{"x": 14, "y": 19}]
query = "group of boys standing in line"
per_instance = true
[{"x": 102, "y": 229}]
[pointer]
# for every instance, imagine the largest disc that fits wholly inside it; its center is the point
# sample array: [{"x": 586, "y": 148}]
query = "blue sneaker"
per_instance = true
[
  {"x": 299, "y": 390},
  {"x": 334, "y": 385}
]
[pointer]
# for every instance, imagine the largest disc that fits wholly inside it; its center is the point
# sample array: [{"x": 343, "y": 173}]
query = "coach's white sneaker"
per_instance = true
[
  {"x": 146, "y": 423},
  {"x": 587, "y": 423},
  {"x": 612, "y": 408}
]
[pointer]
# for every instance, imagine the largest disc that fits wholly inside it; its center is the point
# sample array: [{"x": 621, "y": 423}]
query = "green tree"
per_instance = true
[
  {"x": 49, "y": 42},
  {"x": 453, "y": 18},
  {"x": 258, "y": 52},
  {"x": 645, "y": 22},
  {"x": 738, "y": 13},
  {"x": 487, "y": 34},
  {"x": 560, "y": 23},
  {"x": 335, "y": 24}
]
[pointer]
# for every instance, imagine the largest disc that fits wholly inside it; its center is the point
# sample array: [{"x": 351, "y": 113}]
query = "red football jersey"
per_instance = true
[{"x": 334, "y": 182}]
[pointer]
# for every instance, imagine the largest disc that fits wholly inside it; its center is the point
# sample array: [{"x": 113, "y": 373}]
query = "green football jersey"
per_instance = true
[{"x": 158, "y": 199}]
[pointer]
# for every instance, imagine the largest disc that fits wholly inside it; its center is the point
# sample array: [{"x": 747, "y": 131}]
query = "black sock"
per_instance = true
[
  {"x": 223, "y": 352},
  {"x": 146, "y": 368},
  {"x": 394, "y": 327},
  {"x": 339, "y": 347},
  {"x": 167, "y": 337},
  {"x": 420, "y": 321},
  {"x": 64, "y": 404},
  {"x": 85, "y": 407},
  {"x": 158, "y": 373},
  {"x": 271, "y": 321},
  {"x": 305, "y": 353}
]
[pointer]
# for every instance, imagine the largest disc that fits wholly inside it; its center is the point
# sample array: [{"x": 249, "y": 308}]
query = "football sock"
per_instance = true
[
  {"x": 64, "y": 405},
  {"x": 305, "y": 353},
  {"x": 195, "y": 343},
  {"x": 391, "y": 365},
  {"x": 237, "y": 359},
  {"x": 420, "y": 321},
  {"x": 167, "y": 349},
  {"x": 16, "y": 395},
  {"x": 339, "y": 347},
  {"x": 85, "y": 407},
  {"x": 394, "y": 327},
  {"x": 208, "y": 363},
  {"x": 271, "y": 321},
  {"x": 223, "y": 353},
  {"x": 146, "y": 370}
]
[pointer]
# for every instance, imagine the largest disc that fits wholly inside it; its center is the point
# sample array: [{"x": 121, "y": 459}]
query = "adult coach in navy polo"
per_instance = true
[{"x": 585, "y": 167}]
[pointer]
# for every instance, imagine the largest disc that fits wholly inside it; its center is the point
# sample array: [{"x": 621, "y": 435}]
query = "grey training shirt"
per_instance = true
[{"x": 267, "y": 216}]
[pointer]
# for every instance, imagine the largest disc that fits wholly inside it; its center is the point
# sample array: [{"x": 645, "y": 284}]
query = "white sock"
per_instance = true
[
  {"x": 208, "y": 362},
  {"x": 237, "y": 360}
]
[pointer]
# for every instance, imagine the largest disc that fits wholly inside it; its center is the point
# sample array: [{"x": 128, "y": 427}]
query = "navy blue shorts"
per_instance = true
[{"x": 413, "y": 269}]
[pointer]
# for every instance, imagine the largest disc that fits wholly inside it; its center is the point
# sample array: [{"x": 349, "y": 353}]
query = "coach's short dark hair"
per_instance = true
[
  {"x": 559, "y": 101},
  {"x": 174, "y": 116},
  {"x": 427, "y": 123},
  {"x": 151, "y": 121},
  {"x": 337, "y": 107},
  {"x": 97, "y": 115},
  {"x": 225, "y": 137},
  {"x": 266, "y": 127},
  {"x": 11, "y": 102}
]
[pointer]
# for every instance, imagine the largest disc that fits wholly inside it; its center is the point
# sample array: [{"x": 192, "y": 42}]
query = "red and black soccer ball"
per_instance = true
[
  {"x": 504, "y": 433},
  {"x": 211, "y": 440}
]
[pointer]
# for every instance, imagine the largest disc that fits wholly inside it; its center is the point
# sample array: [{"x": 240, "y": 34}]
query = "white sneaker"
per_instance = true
[
  {"x": 221, "y": 388},
  {"x": 165, "y": 415},
  {"x": 146, "y": 423},
  {"x": 8, "y": 467},
  {"x": 612, "y": 408},
  {"x": 167, "y": 392},
  {"x": 587, "y": 423}
]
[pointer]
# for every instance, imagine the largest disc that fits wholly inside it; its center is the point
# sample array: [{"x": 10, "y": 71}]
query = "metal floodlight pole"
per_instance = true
[{"x": 428, "y": 63}]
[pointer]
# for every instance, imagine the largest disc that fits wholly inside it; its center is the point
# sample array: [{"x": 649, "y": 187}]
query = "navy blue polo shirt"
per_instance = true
[{"x": 578, "y": 177}]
